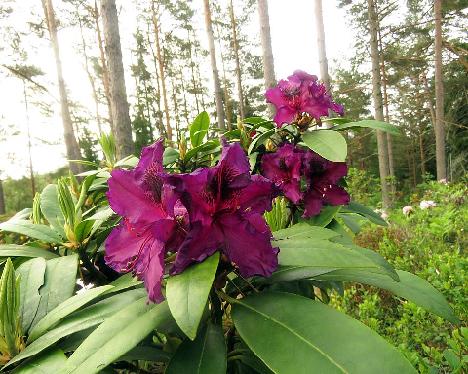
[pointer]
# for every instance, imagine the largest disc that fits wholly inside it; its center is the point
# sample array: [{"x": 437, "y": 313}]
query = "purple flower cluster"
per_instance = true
[
  {"x": 300, "y": 93},
  {"x": 191, "y": 215},
  {"x": 306, "y": 178}
]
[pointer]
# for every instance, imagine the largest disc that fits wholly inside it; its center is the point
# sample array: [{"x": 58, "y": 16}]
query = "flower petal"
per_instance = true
[
  {"x": 312, "y": 203},
  {"x": 233, "y": 166},
  {"x": 122, "y": 246},
  {"x": 336, "y": 195},
  {"x": 284, "y": 114},
  {"x": 275, "y": 96},
  {"x": 335, "y": 171},
  {"x": 150, "y": 269},
  {"x": 258, "y": 195},
  {"x": 247, "y": 243}
]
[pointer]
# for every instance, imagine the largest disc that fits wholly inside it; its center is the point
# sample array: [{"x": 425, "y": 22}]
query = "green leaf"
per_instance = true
[
  {"x": 325, "y": 216},
  {"x": 292, "y": 273},
  {"x": 410, "y": 287},
  {"x": 15, "y": 250},
  {"x": 24, "y": 227},
  {"x": 199, "y": 128},
  {"x": 83, "y": 229},
  {"x": 46, "y": 363},
  {"x": 170, "y": 156},
  {"x": 187, "y": 294},
  {"x": 205, "y": 147},
  {"x": 59, "y": 284},
  {"x": 67, "y": 307},
  {"x": 205, "y": 355},
  {"x": 31, "y": 280},
  {"x": 80, "y": 321},
  {"x": 305, "y": 230},
  {"x": 292, "y": 334},
  {"x": 146, "y": 353},
  {"x": 369, "y": 123},
  {"x": 364, "y": 211},
  {"x": 50, "y": 207},
  {"x": 117, "y": 335},
  {"x": 9, "y": 309},
  {"x": 327, "y": 143},
  {"x": 260, "y": 139}
]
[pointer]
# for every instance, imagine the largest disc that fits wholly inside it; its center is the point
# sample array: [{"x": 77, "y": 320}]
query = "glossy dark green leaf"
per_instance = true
[
  {"x": 364, "y": 211},
  {"x": 27, "y": 228},
  {"x": 205, "y": 355},
  {"x": 199, "y": 129},
  {"x": 410, "y": 287},
  {"x": 31, "y": 280},
  {"x": 117, "y": 335},
  {"x": 327, "y": 143},
  {"x": 187, "y": 294},
  {"x": 15, "y": 250},
  {"x": 293, "y": 334},
  {"x": 59, "y": 284},
  {"x": 369, "y": 123},
  {"x": 80, "y": 321}
]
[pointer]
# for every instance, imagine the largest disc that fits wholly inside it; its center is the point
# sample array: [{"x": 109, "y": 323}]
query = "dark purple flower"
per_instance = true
[
  {"x": 322, "y": 189},
  {"x": 300, "y": 93},
  {"x": 154, "y": 220},
  {"x": 225, "y": 205},
  {"x": 284, "y": 168},
  {"x": 306, "y": 178}
]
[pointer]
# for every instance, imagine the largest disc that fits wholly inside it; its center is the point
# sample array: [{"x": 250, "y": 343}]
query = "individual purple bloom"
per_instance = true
[
  {"x": 154, "y": 220},
  {"x": 322, "y": 189},
  {"x": 225, "y": 206},
  {"x": 300, "y": 93},
  {"x": 283, "y": 168}
]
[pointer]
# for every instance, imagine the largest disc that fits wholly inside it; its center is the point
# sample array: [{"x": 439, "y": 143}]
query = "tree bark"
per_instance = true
[
  {"x": 162, "y": 74},
  {"x": 28, "y": 133},
  {"x": 72, "y": 147},
  {"x": 217, "y": 85},
  {"x": 377, "y": 100},
  {"x": 105, "y": 71},
  {"x": 439, "y": 94},
  {"x": 119, "y": 104},
  {"x": 322, "y": 52},
  {"x": 268, "y": 62},
  {"x": 235, "y": 43},
  {"x": 2, "y": 199}
]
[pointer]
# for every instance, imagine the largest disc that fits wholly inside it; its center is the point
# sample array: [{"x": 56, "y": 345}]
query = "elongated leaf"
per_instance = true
[
  {"x": 59, "y": 284},
  {"x": 50, "y": 207},
  {"x": 322, "y": 254},
  {"x": 199, "y": 128},
  {"x": 314, "y": 337},
  {"x": 410, "y": 287},
  {"x": 327, "y": 143},
  {"x": 205, "y": 147},
  {"x": 369, "y": 123},
  {"x": 46, "y": 363},
  {"x": 147, "y": 354},
  {"x": 31, "y": 279},
  {"x": 187, "y": 294},
  {"x": 305, "y": 230},
  {"x": 64, "y": 309},
  {"x": 170, "y": 156},
  {"x": 325, "y": 216},
  {"x": 292, "y": 273},
  {"x": 364, "y": 211},
  {"x": 14, "y": 250},
  {"x": 117, "y": 335},
  {"x": 260, "y": 139},
  {"x": 206, "y": 354},
  {"x": 80, "y": 321},
  {"x": 24, "y": 227}
]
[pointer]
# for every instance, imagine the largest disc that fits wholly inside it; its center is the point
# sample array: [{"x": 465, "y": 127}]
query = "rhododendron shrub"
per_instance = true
[{"x": 215, "y": 257}]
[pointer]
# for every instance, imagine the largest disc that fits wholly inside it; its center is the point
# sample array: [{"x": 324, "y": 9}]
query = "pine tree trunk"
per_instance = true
[
  {"x": 73, "y": 150},
  {"x": 2, "y": 199},
  {"x": 162, "y": 74},
  {"x": 119, "y": 104},
  {"x": 235, "y": 44},
  {"x": 217, "y": 85},
  {"x": 422, "y": 154},
  {"x": 377, "y": 100},
  {"x": 192, "y": 70},
  {"x": 322, "y": 52},
  {"x": 105, "y": 71},
  {"x": 28, "y": 133},
  {"x": 439, "y": 94},
  {"x": 268, "y": 62}
]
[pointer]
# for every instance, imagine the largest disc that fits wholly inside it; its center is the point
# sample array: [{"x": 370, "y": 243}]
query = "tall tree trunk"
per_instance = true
[
  {"x": 235, "y": 43},
  {"x": 439, "y": 94},
  {"x": 430, "y": 103},
  {"x": 105, "y": 70},
  {"x": 119, "y": 104},
  {"x": 377, "y": 99},
  {"x": 2, "y": 199},
  {"x": 268, "y": 62},
  {"x": 422, "y": 154},
  {"x": 28, "y": 133},
  {"x": 162, "y": 75},
  {"x": 322, "y": 52},
  {"x": 73, "y": 149},
  {"x": 217, "y": 85},
  {"x": 192, "y": 69}
]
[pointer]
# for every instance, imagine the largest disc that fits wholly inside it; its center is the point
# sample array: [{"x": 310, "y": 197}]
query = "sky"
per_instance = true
[{"x": 292, "y": 25}]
